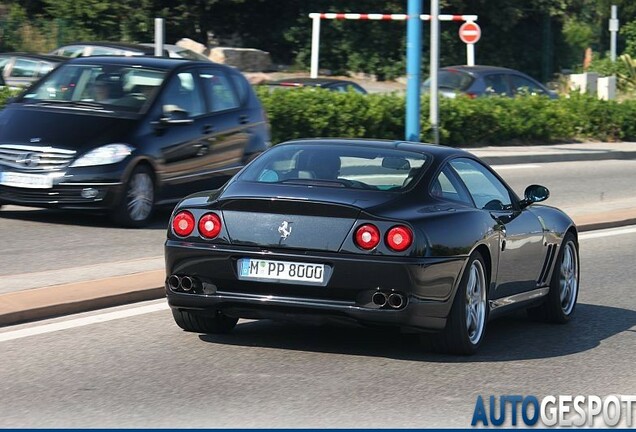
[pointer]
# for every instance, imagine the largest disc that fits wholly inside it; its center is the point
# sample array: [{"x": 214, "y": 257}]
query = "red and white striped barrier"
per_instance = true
[
  {"x": 388, "y": 17},
  {"x": 316, "y": 17}
]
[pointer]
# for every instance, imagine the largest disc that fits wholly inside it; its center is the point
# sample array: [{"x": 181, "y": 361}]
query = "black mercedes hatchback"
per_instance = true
[{"x": 127, "y": 134}]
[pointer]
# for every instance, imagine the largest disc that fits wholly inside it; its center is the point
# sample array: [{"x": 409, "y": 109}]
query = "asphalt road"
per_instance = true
[
  {"x": 39, "y": 240},
  {"x": 142, "y": 371}
]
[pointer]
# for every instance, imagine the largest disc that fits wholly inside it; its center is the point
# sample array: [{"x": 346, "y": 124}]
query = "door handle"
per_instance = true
[
  {"x": 202, "y": 149},
  {"x": 208, "y": 129},
  {"x": 244, "y": 119}
]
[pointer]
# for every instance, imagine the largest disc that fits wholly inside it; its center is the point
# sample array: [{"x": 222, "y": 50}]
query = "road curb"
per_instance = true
[
  {"x": 53, "y": 301},
  {"x": 561, "y": 157},
  {"x": 603, "y": 220},
  {"x": 58, "y": 300}
]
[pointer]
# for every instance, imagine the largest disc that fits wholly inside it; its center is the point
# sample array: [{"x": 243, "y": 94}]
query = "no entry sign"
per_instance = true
[{"x": 469, "y": 32}]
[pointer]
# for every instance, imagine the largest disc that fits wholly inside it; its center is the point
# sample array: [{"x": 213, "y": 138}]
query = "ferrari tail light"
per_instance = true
[
  {"x": 367, "y": 236},
  {"x": 183, "y": 223},
  {"x": 210, "y": 225},
  {"x": 399, "y": 238}
]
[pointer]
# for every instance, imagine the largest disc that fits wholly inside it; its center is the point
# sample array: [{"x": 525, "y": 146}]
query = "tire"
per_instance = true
[
  {"x": 202, "y": 323},
  {"x": 560, "y": 303},
  {"x": 466, "y": 323},
  {"x": 137, "y": 202}
]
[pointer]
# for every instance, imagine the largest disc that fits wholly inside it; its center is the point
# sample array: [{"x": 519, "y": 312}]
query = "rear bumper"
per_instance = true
[{"x": 428, "y": 284}]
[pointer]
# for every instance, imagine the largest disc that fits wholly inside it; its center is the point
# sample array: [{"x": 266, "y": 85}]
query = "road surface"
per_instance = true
[{"x": 137, "y": 369}]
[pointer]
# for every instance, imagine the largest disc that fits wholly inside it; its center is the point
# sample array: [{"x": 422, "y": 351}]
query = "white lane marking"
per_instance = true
[
  {"x": 511, "y": 167},
  {"x": 607, "y": 233},
  {"x": 80, "y": 322}
]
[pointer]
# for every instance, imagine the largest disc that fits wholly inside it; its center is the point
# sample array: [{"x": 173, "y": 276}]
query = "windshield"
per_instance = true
[
  {"x": 122, "y": 88},
  {"x": 338, "y": 165},
  {"x": 451, "y": 79}
]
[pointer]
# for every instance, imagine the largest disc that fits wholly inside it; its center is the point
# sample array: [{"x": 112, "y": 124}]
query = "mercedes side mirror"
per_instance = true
[{"x": 175, "y": 115}]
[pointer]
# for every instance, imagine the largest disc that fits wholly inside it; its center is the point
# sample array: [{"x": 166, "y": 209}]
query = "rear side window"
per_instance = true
[
  {"x": 496, "y": 85},
  {"x": 242, "y": 87},
  {"x": 523, "y": 86},
  {"x": 24, "y": 68},
  {"x": 452, "y": 79},
  {"x": 446, "y": 187},
  {"x": 487, "y": 191},
  {"x": 219, "y": 90}
]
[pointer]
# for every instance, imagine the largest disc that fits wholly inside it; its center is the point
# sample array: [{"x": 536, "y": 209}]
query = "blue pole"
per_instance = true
[{"x": 413, "y": 62}]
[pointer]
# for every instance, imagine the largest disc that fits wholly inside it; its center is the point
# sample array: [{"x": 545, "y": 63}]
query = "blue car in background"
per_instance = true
[{"x": 476, "y": 81}]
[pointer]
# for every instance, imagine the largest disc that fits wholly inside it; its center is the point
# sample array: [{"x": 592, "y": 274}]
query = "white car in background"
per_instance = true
[{"x": 87, "y": 49}]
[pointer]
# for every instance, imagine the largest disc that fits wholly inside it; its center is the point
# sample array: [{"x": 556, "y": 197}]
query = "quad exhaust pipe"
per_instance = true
[
  {"x": 183, "y": 283},
  {"x": 393, "y": 300},
  {"x": 174, "y": 282},
  {"x": 379, "y": 299},
  {"x": 187, "y": 283},
  {"x": 396, "y": 300}
]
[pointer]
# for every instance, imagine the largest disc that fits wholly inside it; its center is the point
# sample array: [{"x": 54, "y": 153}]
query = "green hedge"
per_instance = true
[
  {"x": 6, "y": 93},
  {"x": 463, "y": 122},
  {"x": 298, "y": 113}
]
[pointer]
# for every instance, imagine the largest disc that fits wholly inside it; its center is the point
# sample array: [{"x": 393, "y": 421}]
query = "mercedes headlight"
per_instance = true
[{"x": 108, "y": 154}]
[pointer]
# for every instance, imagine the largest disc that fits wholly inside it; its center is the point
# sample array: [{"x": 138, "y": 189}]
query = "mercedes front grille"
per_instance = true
[{"x": 33, "y": 158}]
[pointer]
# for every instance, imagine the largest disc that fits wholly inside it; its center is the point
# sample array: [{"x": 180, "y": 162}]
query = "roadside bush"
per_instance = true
[
  {"x": 310, "y": 112},
  {"x": 6, "y": 93},
  {"x": 301, "y": 113}
]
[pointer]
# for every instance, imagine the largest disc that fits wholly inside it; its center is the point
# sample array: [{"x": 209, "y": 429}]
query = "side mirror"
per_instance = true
[
  {"x": 175, "y": 115},
  {"x": 534, "y": 194}
]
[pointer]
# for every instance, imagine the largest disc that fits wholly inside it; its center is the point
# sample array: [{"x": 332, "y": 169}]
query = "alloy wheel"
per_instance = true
[
  {"x": 140, "y": 196},
  {"x": 568, "y": 278},
  {"x": 475, "y": 302}
]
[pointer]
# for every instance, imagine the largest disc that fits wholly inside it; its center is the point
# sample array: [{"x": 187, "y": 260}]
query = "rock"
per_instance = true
[
  {"x": 245, "y": 59},
  {"x": 192, "y": 46}
]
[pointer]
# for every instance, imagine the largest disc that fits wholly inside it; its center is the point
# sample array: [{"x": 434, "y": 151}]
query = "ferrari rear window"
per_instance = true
[{"x": 343, "y": 166}]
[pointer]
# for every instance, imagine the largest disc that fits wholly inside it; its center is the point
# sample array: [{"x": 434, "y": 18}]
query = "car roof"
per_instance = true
[
  {"x": 149, "y": 61},
  {"x": 169, "y": 47},
  {"x": 149, "y": 50},
  {"x": 36, "y": 56},
  {"x": 479, "y": 69},
  {"x": 438, "y": 151},
  {"x": 310, "y": 81}
]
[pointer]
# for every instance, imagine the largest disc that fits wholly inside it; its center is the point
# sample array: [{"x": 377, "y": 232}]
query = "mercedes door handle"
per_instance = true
[{"x": 201, "y": 149}]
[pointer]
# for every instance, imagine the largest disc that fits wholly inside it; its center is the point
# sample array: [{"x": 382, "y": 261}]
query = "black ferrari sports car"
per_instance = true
[{"x": 420, "y": 237}]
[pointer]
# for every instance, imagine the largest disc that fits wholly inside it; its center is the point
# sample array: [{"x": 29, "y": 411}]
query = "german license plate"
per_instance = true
[
  {"x": 22, "y": 180},
  {"x": 268, "y": 270}
]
